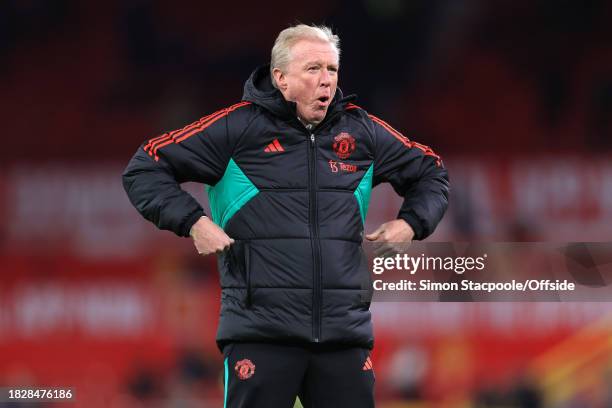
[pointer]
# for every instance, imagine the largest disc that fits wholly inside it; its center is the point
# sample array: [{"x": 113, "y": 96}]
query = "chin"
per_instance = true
[{"x": 316, "y": 119}]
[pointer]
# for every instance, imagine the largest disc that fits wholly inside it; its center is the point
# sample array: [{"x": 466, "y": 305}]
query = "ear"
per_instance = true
[{"x": 280, "y": 78}]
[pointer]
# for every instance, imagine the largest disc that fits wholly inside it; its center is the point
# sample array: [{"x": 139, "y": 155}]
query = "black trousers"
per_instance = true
[{"x": 261, "y": 375}]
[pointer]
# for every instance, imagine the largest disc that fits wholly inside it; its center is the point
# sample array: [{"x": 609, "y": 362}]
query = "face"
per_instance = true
[{"x": 310, "y": 79}]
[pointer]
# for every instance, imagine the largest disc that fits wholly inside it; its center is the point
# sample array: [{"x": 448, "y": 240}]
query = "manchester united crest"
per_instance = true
[
  {"x": 244, "y": 369},
  {"x": 344, "y": 145}
]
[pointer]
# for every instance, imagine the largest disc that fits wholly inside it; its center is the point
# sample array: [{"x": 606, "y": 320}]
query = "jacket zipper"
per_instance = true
[
  {"x": 317, "y": 297},
  {"x": 314, "y": 237}
]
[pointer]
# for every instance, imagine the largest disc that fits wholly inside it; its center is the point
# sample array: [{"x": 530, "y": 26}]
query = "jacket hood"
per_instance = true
[{"x": 258, "y": 89}]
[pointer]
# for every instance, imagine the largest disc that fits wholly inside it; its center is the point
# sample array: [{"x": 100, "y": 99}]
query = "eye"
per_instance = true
[{"x": 313, "y": 68}]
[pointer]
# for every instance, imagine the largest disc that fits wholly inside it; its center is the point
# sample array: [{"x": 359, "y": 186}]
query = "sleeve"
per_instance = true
[
  {"x": 416, "y": 173},
  {"x": 198, "y": 152}
]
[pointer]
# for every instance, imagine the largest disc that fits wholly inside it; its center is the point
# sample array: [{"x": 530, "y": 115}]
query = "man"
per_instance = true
[{"x": 290, "y": 170}]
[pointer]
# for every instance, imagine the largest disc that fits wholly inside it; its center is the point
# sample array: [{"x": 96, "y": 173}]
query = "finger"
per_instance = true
[{"x": 374, "y": 235}]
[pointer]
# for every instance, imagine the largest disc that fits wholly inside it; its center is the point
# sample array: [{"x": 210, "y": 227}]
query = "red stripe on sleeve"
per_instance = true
[
  {"x": 180, "y": 135},
  {"x": 407, "y": 142}
]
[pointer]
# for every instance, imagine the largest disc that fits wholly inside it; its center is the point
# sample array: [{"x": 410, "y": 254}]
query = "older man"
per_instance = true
[{"x": 290, "y": 170}]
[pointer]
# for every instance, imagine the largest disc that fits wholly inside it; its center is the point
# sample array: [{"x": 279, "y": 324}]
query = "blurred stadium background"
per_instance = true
[{"x": 515, "y": 95}]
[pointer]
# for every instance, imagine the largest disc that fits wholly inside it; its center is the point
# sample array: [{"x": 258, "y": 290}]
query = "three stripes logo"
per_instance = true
[
  {"x": 274, "y": 147},
  {"x": 368, "y": 365}
]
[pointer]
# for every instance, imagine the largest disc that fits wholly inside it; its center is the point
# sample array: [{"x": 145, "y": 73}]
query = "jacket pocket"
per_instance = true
[
  {"x": 239, "y": 270},
  {"x": 367, "y": 290}
]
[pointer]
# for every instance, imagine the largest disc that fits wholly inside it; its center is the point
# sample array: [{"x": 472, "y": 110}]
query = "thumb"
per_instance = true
[{"x": 374, "y": 235}]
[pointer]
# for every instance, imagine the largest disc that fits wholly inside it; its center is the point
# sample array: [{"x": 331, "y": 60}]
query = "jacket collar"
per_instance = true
[{"x": 258, "y": 89}]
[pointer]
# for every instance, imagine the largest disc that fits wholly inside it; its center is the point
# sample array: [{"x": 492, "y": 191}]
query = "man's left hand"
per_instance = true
[{"x": 392, "y": 236}]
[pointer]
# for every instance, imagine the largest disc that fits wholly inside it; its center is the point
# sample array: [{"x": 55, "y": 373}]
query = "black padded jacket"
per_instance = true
[{"x": 295, "y": 201}]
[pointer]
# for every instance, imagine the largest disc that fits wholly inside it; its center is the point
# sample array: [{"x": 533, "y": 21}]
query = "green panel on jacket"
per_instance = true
[
  {"x": 363, "y": 193},
  {"x": 229, "y": 195}
]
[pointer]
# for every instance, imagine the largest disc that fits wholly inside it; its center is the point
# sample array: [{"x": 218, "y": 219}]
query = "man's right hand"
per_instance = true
[{"x": 208, "y": 237}]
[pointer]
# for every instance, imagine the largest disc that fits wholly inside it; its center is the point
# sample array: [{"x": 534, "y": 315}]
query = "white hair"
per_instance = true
[{"x": 281, "y": 51}]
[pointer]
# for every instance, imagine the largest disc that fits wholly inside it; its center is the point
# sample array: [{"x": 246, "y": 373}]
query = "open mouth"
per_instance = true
[{"x": 323, "y": 99}]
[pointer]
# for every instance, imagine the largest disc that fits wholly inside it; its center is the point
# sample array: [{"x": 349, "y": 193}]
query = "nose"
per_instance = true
[{"x": 325, "y": 78}]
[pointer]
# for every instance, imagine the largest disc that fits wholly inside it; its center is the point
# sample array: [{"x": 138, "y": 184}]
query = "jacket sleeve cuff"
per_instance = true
[
  {"x": 412, "y": 220},
  {"x": 189, "y": 221}
]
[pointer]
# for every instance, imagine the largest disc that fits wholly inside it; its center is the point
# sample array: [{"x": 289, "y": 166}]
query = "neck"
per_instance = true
[{"x": 307, "y": 125}]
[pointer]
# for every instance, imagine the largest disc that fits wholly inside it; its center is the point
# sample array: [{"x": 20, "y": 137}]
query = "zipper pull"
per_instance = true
[{"x": 312, "y": 138}]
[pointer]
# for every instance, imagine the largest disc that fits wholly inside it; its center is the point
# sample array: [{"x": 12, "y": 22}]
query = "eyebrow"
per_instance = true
[{"x": 318, "y": 62}]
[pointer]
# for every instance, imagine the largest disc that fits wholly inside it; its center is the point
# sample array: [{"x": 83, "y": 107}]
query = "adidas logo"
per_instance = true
[
  {"x": 368, "y": 365},
  {"x": 274, "y": 147}
]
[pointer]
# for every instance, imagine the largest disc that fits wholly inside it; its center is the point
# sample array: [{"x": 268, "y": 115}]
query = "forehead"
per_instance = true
[{"x": 305, "y": 51}]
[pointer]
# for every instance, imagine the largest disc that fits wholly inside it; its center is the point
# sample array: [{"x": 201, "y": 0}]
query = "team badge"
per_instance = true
[
  {"x": 244, "y": 369},
  {"x": 344, "y": 145}
]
